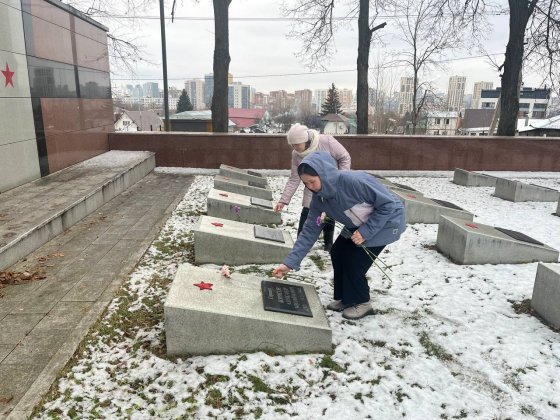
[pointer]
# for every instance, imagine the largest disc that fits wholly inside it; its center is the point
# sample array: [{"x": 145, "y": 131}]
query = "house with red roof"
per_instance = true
[{"x": 246, "y": 117}]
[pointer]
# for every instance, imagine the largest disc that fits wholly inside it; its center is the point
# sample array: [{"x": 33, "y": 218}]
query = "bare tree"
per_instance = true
[
  {"x": 221, "y": 66},
  {"x": 316, "y": 26},
  {"x": 125, "y": 50},
  {"x": 427, "y": 32}
]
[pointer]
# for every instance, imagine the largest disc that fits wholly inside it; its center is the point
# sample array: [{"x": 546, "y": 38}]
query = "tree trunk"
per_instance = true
[
  {"x": 221, "y": 66},
  {"x": 364, "y": 41},
  {"x": 519, "y": 13}
]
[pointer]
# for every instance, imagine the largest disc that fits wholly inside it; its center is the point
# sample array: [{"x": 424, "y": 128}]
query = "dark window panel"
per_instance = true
[{"x": 50, "y": 79}]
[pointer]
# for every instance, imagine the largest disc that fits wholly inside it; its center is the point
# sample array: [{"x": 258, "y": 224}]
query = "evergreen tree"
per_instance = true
[
  {"x": 332, "y": 104},
  {"x": 184, "y": 103}
]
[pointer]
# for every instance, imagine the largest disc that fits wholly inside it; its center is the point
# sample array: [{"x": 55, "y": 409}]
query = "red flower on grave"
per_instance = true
[
  {"x": 8, "y": 74},
  {"x": 218, "y": 224},
  {"x": 223, "y": 194},
  {"x": 203, "y": 286},
  {"x": 411, "y": 196},
  {"x": 471, "y": 225}
]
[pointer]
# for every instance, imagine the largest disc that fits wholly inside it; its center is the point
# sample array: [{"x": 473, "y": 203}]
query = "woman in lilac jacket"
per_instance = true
[
  {"x": 372, "y": 217},
  {"x": 304, "y": 142}
]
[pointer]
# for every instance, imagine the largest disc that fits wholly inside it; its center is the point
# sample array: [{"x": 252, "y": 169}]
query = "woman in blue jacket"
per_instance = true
[{"x": 373, "y": 215}]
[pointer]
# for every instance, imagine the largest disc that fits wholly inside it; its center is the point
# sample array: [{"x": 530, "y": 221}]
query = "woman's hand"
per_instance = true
[
  {"x": 279, "y": 206},
  {"x": 357, "y": 238},
  {"x": 279, "y": 271}
]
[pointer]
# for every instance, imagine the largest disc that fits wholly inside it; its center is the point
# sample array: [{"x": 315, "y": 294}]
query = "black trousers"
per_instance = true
[
  {"x": 350, "y": 264},
  {"x": 328, "y": 227}
]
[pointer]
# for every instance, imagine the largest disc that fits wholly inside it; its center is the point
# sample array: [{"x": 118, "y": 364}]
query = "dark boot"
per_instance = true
[{"x": 328, "y": 236}]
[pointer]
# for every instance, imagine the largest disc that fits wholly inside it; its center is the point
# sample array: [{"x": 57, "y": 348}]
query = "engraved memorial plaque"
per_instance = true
[
  {"x": 518, "y": 236},
  {"x": 447, "y": 204},
  {"x": 255, "y": 184},
  {"x": 261, "y": 203},
  {"x": 285, "y": 298},
  {"x": 269, "y": 234},
  {"x": 254, "y": 173}
]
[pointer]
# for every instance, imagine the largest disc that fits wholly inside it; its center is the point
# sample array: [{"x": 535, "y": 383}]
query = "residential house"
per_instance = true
[
  {"x": 138, "y": 121},
  {"x": 335, "y": 124},
  {"x": 194, "y": 121},
  {"x": 244, "y": 118},
  {"x": 443, "y": 123}
]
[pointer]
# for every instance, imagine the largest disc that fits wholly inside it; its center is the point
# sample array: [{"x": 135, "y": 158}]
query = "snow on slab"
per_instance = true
[
  {"x": 445, "y": 343},
  {"x": 114, "y": 158}
]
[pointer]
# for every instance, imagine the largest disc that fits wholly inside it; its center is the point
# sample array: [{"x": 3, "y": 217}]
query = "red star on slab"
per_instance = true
[
  {"x": 411, "y": 196},
  {"x": 223, "y": 194},
  {"x": 8, "y": 75},
  {"x": 203, "y": 286},
  {"x": 471, "y": 225},
  {"x": 217, "y": 224}
]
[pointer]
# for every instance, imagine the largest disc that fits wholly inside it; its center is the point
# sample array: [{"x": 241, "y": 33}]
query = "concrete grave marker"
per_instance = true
[
  {"x": 255, "y": 179},
  {"x": 405, "y": 189},
  {"x": 421, "y": 209},
  {"x": 518, "y": 191},
  {"x": 242, "y": 208},
  {"x": 473, "y": 179},
  {"x": 558, "y": 209},
  {"x": 239, "y": 186},
  {"x": 231, "y": 317},
  {"x": 474, "y": 243},
  {"x": 222, "y": 241},
  {"x": 546, "y": 293}
]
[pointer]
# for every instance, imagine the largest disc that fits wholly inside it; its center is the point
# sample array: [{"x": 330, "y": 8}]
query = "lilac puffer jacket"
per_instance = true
[{"x": 327, "y": 144}]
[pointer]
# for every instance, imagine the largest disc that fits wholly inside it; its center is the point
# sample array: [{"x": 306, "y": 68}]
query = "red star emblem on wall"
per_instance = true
[
  {"x": 8, "y": 75},
  {"x": 203, "y": 286}
]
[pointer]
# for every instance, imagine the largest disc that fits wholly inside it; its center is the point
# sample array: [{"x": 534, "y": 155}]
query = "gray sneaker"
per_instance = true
[
  {"x": 336, "y": 305},
  {"x": 358, "y": 311}
]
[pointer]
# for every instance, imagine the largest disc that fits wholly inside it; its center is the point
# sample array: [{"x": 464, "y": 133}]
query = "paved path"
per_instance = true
[{"x": 43, "y": 321}]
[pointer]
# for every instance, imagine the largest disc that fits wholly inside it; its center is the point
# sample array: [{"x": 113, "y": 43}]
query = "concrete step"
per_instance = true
[{"x": 34, "y": 213}]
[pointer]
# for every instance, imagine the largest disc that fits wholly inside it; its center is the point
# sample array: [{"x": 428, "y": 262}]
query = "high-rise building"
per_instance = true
[
  {"x": 346, "y": 98},
  {"x": 278, "y": 100},
  {"x": 195, "y": 90},
  {"x": 261, "y": 100},
  {"x": 319, "y": 97},
  {"x": 478, "y": 87},
  {"x": 406, "y": 94},
  {"x": 456, "y": 93},
  {"x": 303, "y": 100},
  {"x": 239, "y": 95},
  {"x": 208, "y": 89},
  {"x": 150, "y": 90}
]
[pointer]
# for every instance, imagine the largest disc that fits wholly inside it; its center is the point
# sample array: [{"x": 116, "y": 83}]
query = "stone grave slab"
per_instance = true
[
  {"x": 243, "y": 174},
  {"x": 474, "y": 243},
  {"x": 546, "y": 293},
  {"x": 473, "y": 179},
  {"x": 223, "y": 241},
  {"x": 242, "y": 208},
  {"x": 519, "y": 191},
  {"x": 421, "y": 209},
  {"x": 239, "y": 186},
  {"x": 231, "y": 317}
]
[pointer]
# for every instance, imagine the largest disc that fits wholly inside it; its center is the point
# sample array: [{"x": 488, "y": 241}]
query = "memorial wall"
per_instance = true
[{"x": 55, "y": 95}]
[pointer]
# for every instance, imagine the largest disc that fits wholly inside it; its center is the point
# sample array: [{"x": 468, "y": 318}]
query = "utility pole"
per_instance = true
[{"x": 164, "y": 60}]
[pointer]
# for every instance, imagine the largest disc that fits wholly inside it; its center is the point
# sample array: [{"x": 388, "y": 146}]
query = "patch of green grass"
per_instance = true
[
  {"x": 259, "y": 385},
  {"x": 522, "y": 307},
  {"x": 434, "y": 349},
  {"x": 213, "y": 379},
  {"x": 400, "y": 395},
  {"x": 461, "y": 415},
  {"x": 252, "y": 269},
  {"x": 328, "y": 363},
  {"x": 214, "y": 398},
  {"x": 318, "y": 262},
  {"x": 528, "y": 410}
]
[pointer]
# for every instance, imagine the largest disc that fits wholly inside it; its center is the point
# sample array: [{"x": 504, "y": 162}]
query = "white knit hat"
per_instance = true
[{"x": 298, "y": 134}]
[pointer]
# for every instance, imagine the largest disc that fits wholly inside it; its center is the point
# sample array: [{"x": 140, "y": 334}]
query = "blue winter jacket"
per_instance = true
[{"x": 353, "y": 198}]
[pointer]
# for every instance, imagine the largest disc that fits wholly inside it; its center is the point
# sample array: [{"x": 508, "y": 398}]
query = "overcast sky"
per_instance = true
[{"x": 261, "y": 50}]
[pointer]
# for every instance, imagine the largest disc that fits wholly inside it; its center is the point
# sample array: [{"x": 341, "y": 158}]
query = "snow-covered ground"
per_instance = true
[{"x": 446, "y": 341}]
